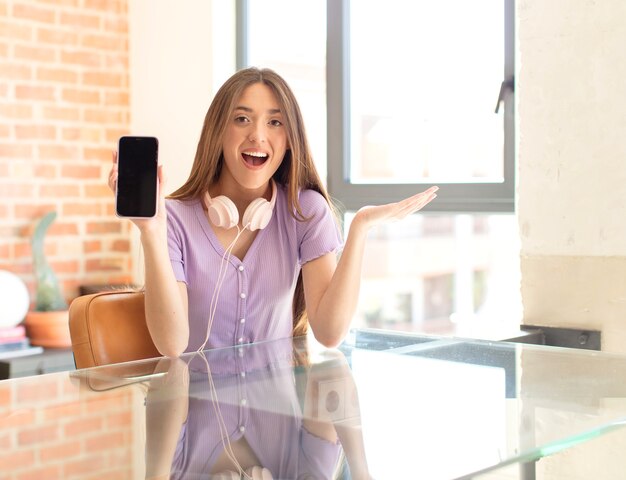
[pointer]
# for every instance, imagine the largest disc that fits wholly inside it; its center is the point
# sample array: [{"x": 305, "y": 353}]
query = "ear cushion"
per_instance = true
[
  {"x": 258, "y": 214},
  {"x": 223, "y": 212}
]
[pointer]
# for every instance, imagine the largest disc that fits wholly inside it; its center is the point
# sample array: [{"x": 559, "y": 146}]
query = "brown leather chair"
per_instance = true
[{"x": 109, "y": 327}]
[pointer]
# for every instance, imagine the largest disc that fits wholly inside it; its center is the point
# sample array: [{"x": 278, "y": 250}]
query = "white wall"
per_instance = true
[
  {"x": 180, "y": 53},
  {"x": 571, "y": 201},
  {"x": 572, "y": 164}
]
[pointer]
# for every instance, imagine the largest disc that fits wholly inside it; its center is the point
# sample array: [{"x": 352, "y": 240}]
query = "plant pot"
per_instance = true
[{"x": 48, "y": 329}]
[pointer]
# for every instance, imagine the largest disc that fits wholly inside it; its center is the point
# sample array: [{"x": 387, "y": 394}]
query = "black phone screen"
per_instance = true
[{"x": 136, "y": 194}]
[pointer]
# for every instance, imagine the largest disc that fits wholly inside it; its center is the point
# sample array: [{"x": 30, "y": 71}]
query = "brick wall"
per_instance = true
[
  {"x": 54, "y": 429},
  {"x": 64, "y": 90}
]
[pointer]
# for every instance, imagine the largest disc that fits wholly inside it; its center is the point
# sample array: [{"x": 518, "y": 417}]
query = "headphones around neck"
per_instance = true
[{"x": 223, "y": 212}]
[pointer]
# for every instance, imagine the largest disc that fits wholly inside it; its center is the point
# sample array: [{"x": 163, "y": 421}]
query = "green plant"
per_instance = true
[{"x": 48, "y": 295}]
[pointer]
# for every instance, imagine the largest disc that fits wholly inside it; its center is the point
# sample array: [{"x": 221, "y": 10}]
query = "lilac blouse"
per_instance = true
[
  {"x": 253, "y": 388},
  {"x": 255, "y": 299}
]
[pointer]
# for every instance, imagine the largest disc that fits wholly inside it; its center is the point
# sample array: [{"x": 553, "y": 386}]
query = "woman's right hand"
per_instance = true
[{"x": 148, "y": 224}]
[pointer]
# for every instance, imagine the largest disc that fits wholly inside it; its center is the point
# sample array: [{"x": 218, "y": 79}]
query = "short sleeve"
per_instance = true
[
  {"x": 318, "y": 458},
  {"x": 319, "y": 234},
  {"x": 175, "y": 235}
]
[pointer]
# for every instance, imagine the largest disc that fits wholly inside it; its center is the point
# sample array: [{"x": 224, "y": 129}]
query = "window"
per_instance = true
[
  {"x": 411, "y": 92},
  {"x": 398, "y": 96}
]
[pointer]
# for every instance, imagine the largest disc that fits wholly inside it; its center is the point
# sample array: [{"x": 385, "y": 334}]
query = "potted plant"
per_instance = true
[{"x": 48, "y": 323}]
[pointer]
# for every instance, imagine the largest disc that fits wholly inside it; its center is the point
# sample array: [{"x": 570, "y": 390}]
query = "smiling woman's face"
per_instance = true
[{"x": 255, "y": 140}]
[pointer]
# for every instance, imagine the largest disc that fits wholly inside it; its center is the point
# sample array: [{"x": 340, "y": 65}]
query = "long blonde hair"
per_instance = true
[{"x": 297, "y": 170}]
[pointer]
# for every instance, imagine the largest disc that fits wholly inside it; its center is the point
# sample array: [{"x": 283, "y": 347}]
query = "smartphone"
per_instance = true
[{"x": 136, "y": 195}]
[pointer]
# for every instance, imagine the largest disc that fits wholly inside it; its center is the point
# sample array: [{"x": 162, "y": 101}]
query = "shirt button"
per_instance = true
[
  {"x": 241, "y": 268},
  {"x": 242, "y": 295},
  {"x": 240, "y": 340},
  {"x": 243, "y": 374},
  {"x": 243, "y": 402},
  {"x": 243, "y": 320},
  {"x": 242, "y": 429}
]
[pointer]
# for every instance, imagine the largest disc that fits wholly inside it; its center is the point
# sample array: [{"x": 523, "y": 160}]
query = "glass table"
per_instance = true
[{"x": 383, "y": 405}]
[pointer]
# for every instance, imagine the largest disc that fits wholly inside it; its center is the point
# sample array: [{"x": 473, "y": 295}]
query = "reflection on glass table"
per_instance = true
[{"x": 384, "y": 405}]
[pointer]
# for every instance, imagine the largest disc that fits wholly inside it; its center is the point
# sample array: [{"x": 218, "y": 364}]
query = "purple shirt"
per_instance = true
[
  {"x": 255, "y": 390},
  {"x": 255, "y": 299}
]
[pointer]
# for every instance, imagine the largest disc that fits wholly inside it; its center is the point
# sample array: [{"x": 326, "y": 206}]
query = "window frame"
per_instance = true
[{"x": 457, "y": 197}]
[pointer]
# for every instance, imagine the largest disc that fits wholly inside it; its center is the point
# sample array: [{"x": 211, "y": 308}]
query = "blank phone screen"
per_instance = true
[{"x": 137, "y": 177}]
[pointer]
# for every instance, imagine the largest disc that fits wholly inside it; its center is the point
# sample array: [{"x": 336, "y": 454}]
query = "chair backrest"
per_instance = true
[{"x": 110, "y": 327}]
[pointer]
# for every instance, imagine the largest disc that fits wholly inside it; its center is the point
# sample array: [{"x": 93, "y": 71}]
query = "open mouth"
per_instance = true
[{"x": 255, "y": 159}]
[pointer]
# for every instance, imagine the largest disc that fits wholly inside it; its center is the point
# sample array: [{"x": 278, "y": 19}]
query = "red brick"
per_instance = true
[
  {"x": 82, "y": 209},
  {"x": 38, "y": 435},
  {"x": 104, "y": 79},
  {"x": 38, "y": 53},
  {"x": 22, "y": 249},
  {"x": 116, "y": 61},
  {"x": 109, "y": 6},
  {"x": 112, "y": 135},
  {"x": 62, "y": 75},
  {"x": 71, "y": 409},
  {"x": 16, "y": 190},
  {"x": 105, "y": 42},
  {"x": 12, "y": 150},
  {"x": 115, "y": 24},
  {"x": 16, "y": 71},
  {"x": 75, "y": 95},
  {"x": 58, "y": 152},
  {"x": 63, "y": 228},
  {"x": 88, "y": 135},
  {"x": 61, "y": 451},
  {"x": 104, "y": 154},
  {"x": 34, "y": 92},
  {"x": 61, "y": 113},
  {"x": 16, "y": 459},
  {"x": 61, "y": 267},
  {"x": 45, "y": 390},
  {"x": 15, "y": 31},
  {"x": 45, "y": 171},
  {"x": 87, "y": 465},
  {"x": 6, "y": 441},
  {"x": 104, "y": 227},
  {"x": 83, "y": 425},
  {"x": 104, "y": 265},
  {"x": 80, "y": 171},
  {"x": 106, "y": 441},
  {"x": 19, "y": 418},
  {"x": 116, "y": 116},
  {"x": 116, "y": 98},
  {"x": 16, "y": 110},
  {"x": 49, "y": 35},
  {"x": 119, "y": 420},
  {"x": 30, "y": 12},
  {"x": 35, "y": 132},
  {"x": 60, "y": 190},
  {"x": 92, "y": 246},
  {"x": 80, "y": 20},
  {"x": 81, "y": 57},
  {"x": 120, "y": 246},
  {"x": 50, "y": 472},
  {"x": 30, "y": 211},
  {"x": 98, "y": 191}
]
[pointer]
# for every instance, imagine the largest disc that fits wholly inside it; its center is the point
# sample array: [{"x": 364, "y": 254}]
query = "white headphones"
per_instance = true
[{"x": 223, "y": 212}]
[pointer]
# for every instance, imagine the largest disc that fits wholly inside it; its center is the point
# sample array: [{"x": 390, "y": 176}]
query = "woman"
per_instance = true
[{"x": 250, "y": 240}]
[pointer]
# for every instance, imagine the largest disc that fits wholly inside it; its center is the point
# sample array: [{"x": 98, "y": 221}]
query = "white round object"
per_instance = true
[{"x": 14, "y": 299}]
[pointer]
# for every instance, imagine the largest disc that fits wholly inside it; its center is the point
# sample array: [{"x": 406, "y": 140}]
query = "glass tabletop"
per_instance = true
[{"x": 383, "y": 405}]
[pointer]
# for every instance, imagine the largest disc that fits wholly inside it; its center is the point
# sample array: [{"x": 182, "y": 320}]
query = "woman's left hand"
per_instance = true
[{"x": 375, "y": 215}]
